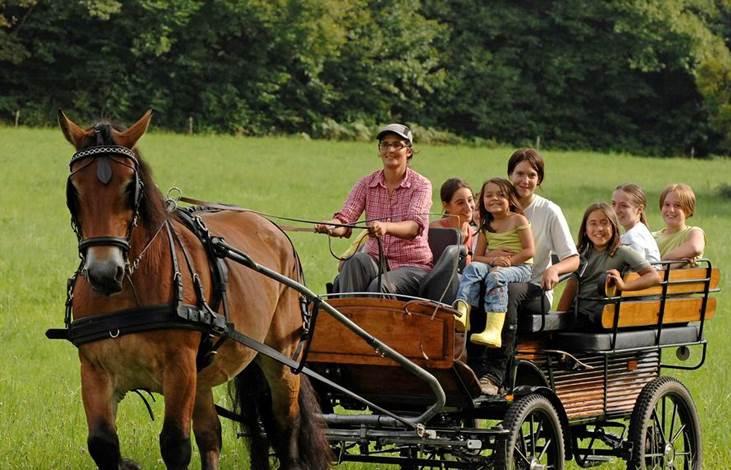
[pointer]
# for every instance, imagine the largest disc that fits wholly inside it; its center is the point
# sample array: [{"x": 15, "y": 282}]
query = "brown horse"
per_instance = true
[{"x": 127, "y": 264}]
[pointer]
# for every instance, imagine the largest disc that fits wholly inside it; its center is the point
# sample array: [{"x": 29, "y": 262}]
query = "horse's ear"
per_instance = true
[
  {"x": 73, "y": 133},
  {"x": 135, "y": 132}
]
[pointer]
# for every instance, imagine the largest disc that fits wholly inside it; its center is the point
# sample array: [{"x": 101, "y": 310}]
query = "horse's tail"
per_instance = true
[
  {"x": 252, "y": 400},
  {"x": 315, "y": 451}
]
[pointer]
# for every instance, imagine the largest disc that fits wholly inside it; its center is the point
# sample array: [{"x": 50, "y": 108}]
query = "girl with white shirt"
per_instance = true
[
  {"x": 551, "y": 236},
  {"x": 629, "y": 202}
]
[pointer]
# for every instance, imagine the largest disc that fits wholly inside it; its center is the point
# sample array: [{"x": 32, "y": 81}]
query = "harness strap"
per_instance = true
[
  {"x": 70, "y": 284},
  {"x": 124, "y": 322},
  {"x": 219, "y": 268},
  {"x": 219, "y": 276},
  {"x": 206, "y": 349},
  {"x": 308, "y": 328},
  {"x": 177, "y": 275},
  {"x": 197, "y": 286}
]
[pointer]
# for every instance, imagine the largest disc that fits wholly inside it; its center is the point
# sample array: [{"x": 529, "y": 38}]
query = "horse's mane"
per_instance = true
[{"x": 152, "y": 207}]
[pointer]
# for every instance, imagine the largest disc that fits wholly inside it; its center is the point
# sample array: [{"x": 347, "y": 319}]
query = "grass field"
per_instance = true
[{"x": 42, "y": 422}]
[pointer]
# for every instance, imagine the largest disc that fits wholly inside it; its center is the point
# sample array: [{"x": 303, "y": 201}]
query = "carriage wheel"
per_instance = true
[
  {"x": 665, "y": 430},
  {"x": 535, "y": 441}
]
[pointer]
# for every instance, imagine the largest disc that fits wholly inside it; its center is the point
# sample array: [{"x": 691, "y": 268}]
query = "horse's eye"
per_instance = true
[
  {"x": 129, "y": 190},
  {"x": 72, "y": 197}
]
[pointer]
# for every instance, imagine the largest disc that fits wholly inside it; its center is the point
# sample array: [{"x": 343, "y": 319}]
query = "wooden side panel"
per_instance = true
[
  {"x": 582, "y": 393},
  {"x": 682, "y": 281},
  {"x": 422, "y": 332},
  {"x": 647, "y": 312}
]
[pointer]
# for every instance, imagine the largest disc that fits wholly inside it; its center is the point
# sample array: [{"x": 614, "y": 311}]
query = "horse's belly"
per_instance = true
[
  {"x": 231, "y": 359},
  {"x": 136, "y": 361}
]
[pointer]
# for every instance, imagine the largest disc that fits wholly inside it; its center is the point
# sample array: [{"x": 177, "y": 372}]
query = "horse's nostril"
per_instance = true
[{"x": 120, "y": 274}]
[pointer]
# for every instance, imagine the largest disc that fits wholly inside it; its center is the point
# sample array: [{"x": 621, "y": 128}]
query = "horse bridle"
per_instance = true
[{"x": 104, "y": 153}]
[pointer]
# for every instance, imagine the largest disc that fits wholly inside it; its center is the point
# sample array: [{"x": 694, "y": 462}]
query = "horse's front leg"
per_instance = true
[
  {"x": 97, "y": 394},
  {"x": 207, "y": 429},
  {"x": 179, "y": 382}
]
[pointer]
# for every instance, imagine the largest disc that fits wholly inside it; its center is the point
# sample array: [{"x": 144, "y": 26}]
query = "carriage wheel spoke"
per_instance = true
[
  {"x": 532, "y": 435},
  {"x": 663, "y": 402},
  {"x": 521, "y": 448},
  {"x": 658, "y": 427},
  {"x": 545, "y": 448},
  {"x": 672, "y": 421},
  {"x": 674, "y": 437},
  {"x": 521, "y": 453}
]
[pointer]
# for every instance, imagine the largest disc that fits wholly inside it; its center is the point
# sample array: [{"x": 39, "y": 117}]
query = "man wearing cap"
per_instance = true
[{"x": 396, "y": 201}]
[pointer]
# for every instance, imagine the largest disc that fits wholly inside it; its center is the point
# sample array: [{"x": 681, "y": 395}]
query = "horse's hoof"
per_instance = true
[{"x": 128, "y": 464}]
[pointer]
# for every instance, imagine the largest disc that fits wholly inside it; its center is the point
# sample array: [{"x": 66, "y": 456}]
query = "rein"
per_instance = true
[
  {"x": 214, "y": 205},
  {"x": 382, "y": 261}
]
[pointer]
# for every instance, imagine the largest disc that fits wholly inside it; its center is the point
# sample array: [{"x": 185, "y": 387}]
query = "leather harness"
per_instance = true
[{"x": 178, "y": 315}]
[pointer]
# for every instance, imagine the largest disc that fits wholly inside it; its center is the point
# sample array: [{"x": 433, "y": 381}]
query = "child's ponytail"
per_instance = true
[{"x": 638, "y": 197}]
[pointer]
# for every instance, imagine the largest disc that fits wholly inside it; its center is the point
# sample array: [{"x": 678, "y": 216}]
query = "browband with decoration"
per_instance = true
[{"x": 103, "y": 149}]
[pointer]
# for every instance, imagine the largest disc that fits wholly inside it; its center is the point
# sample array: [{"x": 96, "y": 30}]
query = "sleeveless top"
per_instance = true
[
  {"x": 669, "y": 241},
  {"x": 509, "y": 240}
]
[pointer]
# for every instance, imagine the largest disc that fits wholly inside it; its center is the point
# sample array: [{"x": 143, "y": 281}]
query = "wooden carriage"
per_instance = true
[{"x": 571, "y": 395}]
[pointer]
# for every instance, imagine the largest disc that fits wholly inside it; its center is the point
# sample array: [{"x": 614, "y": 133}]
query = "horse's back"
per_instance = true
[
  {"x": 251, "y": 233},
  {"x": 259, "y": 306}
]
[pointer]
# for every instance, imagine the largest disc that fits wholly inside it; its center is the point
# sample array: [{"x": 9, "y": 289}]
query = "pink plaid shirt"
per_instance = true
[{"x": 410, "y": 201}]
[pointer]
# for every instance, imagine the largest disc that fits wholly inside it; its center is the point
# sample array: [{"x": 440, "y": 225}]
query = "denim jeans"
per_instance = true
[
  {"x": 495, "y": 281},
  {"x": 524, "y": 298}
]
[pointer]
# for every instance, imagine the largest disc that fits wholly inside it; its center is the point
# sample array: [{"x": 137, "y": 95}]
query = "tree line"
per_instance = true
[{"x": 646, "y": 76}]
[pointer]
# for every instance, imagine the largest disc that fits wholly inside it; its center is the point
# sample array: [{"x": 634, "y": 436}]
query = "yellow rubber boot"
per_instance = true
[
  {"x": 492, "y": 336},
  {"x": 464, "y": 318}
]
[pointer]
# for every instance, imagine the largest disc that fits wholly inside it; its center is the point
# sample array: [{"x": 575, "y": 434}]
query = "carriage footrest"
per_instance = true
[{"x": 586, "y": 461}]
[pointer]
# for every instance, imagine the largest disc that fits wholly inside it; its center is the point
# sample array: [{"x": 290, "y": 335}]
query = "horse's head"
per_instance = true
[{"x": 104, "y": 192}]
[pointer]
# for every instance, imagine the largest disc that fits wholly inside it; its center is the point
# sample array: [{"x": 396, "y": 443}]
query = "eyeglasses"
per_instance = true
[{"x": 386, "y": 146}]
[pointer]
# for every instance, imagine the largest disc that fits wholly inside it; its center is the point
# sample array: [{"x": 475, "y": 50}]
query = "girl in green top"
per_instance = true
[
  {"x": 599, "y": 245},
  {"x": 503, "y": 229},
  {"x": 678, "y": 241}
]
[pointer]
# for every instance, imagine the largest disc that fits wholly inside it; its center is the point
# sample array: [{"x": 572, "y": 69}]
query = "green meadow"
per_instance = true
[{"x": 42, "y": 423}]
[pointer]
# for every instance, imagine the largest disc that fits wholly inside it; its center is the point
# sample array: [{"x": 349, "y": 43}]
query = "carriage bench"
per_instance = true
[
  {"x": 671, "y": 313},
  {"x": 681, "y": 297}
]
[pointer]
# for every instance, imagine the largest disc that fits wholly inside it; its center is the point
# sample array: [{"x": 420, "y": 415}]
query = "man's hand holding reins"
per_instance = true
[{"x": 332, "y": 230}]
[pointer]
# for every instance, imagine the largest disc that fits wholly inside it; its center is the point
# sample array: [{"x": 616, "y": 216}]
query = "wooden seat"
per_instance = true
[
  {"x": 686, "y": 300},
  {"x": 647, "y": 312},
  {"x": 680, "y": 281}
]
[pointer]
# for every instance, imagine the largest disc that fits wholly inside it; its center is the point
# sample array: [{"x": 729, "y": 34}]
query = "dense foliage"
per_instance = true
[{"x": 650, "y": 76}]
